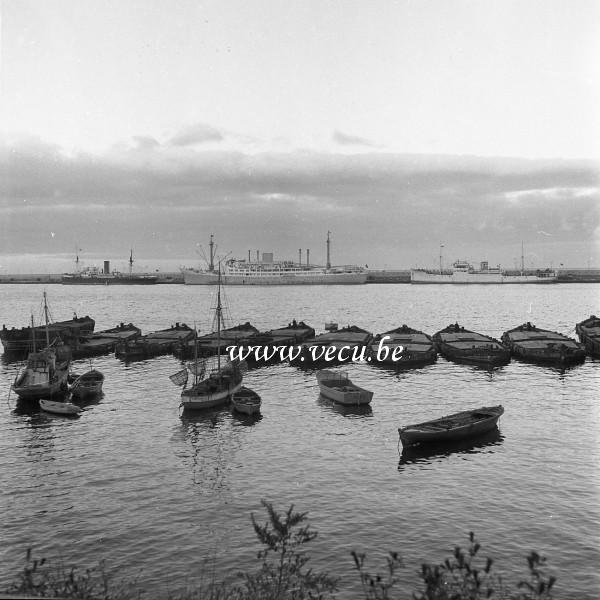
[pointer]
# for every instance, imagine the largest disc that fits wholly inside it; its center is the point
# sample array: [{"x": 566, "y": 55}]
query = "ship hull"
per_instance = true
[
  {"x": 140, "y": 280},
  {"x": 418, "y": 276},
  {"x": 192, "y": 277}
]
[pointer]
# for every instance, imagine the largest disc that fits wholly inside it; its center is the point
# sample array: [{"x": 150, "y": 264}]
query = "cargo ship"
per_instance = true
[
  {"x": 95, "y": 276},
  {"x": 268, "y": 271}
]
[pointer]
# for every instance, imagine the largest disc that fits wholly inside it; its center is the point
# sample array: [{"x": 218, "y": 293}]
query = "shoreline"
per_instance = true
[{"x": 385, "y": 276}]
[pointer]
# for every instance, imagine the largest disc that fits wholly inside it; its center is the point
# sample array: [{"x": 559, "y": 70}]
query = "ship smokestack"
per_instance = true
[
  {"x": 257, "y": 256},
  {"x": 328, "y": 264},
  {"x": 249, "y": 256},
  {"x": 307, "y": 257},
  {"x": 299, "y": 256},
  {"x": 107, "y": 267}
]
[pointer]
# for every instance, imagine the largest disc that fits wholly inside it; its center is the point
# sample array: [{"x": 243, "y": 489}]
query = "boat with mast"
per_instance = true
[
  {"x": 46, "y": 371},
  {"x": 463, "y": 272},
  {"x": 95, "y": 276},
  {"x": 267, "y": 271},
  {"x": 215, "y": 378}
]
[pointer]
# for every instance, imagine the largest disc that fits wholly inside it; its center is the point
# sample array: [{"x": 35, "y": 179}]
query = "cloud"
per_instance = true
[
  {"x": 144, "y": 142},
  {"x": 350, "y": 140},
  {"x": 198, "y": 133}
]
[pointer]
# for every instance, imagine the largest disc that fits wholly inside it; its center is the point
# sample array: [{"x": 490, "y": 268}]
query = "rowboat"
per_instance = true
[
  {"x": 246, "y": 401},
  {"x": 336, "y": 386},
  {"x": 59, "y": 408},
  {"x": 88, "y": 384},
  {"x": 465, "y": 424}
]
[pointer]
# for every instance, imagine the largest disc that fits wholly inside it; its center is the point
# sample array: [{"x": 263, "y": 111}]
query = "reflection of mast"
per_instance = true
[{"x": 328, "y": 264}]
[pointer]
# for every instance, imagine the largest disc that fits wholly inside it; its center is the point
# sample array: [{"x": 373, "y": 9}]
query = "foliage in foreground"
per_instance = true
[{"x": 283, "y": 574}]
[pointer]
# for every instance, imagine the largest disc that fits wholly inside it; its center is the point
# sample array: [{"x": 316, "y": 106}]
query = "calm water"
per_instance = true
[{"x": 156, "y": 494}]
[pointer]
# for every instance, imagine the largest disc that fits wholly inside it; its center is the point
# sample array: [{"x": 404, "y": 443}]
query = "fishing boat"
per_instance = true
[
  {"x": 88, "y": 384},
  {"x": 246, "y": 401},
  {"x": 95, "y": 276},
  {"x": 457, "y": 426},
  {"x": 461, "y": 345},
  {"x": 216, "y": 378},
  {"x": 334, "y": 347},
  {"x": 402, "y": 347},
  {"x": 588, "y": 331},
  {"x": 530, "y": 343},
  {"x": 46, "y": 371},
  {"x": 59, "y": 407},
  {"x": 337, "y": 386},
  {"x": 267, "y": 271}
]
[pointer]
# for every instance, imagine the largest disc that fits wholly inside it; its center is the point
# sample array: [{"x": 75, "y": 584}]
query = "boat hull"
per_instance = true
[
  {"x": 87, "y": 385},
  {"x": 588, "y": 332},
  {"x": 59, "y": 408},
  {"x": 190, "y": 400},
  {"x": 246, "y": 401},
  {"x": 336, "y": 386},
  {"x": 110, "y": 280},
  {"x": 461, "y": 345},
  {"x": 453, "y": 427},
  {"x": 422, "y": 276},
  {"x": 193, "y": 277}
]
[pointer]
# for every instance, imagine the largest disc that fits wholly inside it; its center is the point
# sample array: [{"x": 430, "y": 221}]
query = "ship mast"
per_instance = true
[
  {"x": 33, "y": 334},
  {"x": 46, "y": 317},
  {"x": 211, "y": 264},
  {"x": 219, "y": 317},
  {"x": 441, "y": 246},
  {"x": 522, "y": 259},
  {"x": 131, "y": 261},
  {"x": 328, "y": 265}
]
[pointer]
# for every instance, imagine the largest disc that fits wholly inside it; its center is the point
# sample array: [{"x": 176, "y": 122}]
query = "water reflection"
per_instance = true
[
  {"x": 429, "y": 453},
  {"x": 363, "y": 410}
]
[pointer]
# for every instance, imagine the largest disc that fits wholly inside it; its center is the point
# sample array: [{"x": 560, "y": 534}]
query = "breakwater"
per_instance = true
[{"x": 386, "y": 276}]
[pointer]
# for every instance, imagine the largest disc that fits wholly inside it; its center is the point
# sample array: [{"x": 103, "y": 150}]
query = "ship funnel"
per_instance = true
[
  {"x": 107, "y": 267},
  {"x": 307, "y": 257},
  {"x": 484, "y": 265},
  {"x": 299, "y": 256}
]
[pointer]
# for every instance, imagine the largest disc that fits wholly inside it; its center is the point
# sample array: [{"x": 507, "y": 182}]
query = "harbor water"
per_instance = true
[{"x": 164, "y": 497}]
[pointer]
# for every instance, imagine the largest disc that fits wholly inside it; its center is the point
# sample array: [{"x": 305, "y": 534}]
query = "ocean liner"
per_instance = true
[{"x": 270, "y": 272}]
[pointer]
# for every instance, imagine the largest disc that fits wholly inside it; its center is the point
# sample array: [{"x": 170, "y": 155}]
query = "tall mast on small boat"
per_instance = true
[
  {"x": 46, "y": 317},
  {"x": 33, "y": 334},
  {"x": 328, "y": 265},
  {"x": 218, "y": 314}
]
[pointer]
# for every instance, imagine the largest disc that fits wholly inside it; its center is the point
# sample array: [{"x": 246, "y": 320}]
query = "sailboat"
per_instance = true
[
  {"x": 215, "y": 378},
  {"x": 46, "y": 371}
]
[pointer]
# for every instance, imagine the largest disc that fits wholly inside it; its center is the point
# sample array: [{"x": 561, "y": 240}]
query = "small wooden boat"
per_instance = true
[
  {"x": 588, "y": 331},
  {"x": 402, "y": 347},
  {"x": 88, "y": 384},
  {"x": 59, "y": 408},
  {"x": 530, "y": 343},
  {"x": 336, "y": 386},
  {"x": 246, "y": 401},
  {"x": 459, "y": 344},
  {"x": 465, "y": 424}
]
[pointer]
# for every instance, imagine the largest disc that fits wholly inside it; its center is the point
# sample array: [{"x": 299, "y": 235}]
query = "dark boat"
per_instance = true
[
  {"x": 457, "y": 426},
  {"x": 96, "y": 276},
  {"x": 272, "y": 346},
  {"x": 209, "y": 344},
  {"x": 461, "y": 345},
  {"x": 88, "y": 384},
  {"x": 246, "y": 401},
  {"x": 153, "y": 344},
  {"x": 334, "y": 347},
  {"x": 19, "y": 340},
  {"x": 530, "y": 343},
  {"x": 104, "y": 342},
  {"x": 588, "y": 331},
  {"x": 402, "y": 347}
]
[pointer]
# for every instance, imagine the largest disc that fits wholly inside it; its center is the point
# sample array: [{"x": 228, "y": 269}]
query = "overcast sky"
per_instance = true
[{"x": 396, "y": 125}]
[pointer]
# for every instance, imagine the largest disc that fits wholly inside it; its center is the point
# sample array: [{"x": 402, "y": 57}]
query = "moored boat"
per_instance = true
[
  {"x": 530, "y": 343},
  {"x": 207, "y": 345},
  {"x": 588, "y": 331},
  {"x": 59, "y": 407},
  {"x": 153, "y": 344},
  {"x": 337, "y": 386},
  {"x": 104, "y": 342},
  {"x": 88, "y": 384},
  {"x": 461, "y": 345},
  {"x": 457, "y": 426},
  {"x": 402, "y": 347},
  {"x": 246, "y": 401}
]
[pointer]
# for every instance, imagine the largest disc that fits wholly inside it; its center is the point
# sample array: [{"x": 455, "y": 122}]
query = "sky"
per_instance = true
[{"x": 399, "y": 126}]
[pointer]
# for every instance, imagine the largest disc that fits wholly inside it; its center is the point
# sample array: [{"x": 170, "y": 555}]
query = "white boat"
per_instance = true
[
  {"x": 453, "y": 427},
  {"x": 88, "y": 384},
  {"x": 463, "y": 272},
  {"x": 336, "y": 386},
  {"x": 215, "y": 378},
  {"x": 46, "y": 371},
  {"x": 59, "y": 408},
  {"x": 271, "y": 272},
  {"x": 246, "y": 401}
]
